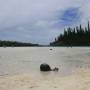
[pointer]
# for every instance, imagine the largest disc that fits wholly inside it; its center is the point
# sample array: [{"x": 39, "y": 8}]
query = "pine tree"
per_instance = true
[{"x": 78, "y": 36}]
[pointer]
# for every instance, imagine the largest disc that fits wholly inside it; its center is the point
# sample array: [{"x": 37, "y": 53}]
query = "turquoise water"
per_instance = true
[{"x": 15, "y": 60}]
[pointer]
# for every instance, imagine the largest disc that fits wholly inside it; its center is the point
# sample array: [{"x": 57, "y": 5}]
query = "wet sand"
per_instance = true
[{"x": 79, "y": 80}]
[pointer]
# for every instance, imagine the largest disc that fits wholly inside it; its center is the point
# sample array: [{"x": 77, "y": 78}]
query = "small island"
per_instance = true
[{"x": 77, "y": 36}]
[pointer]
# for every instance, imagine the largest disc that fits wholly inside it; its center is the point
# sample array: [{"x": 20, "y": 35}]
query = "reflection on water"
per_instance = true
[{"x": 28, "y": 59}]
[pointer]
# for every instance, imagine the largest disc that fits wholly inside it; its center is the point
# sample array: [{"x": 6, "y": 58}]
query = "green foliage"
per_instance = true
[
  {"x": 77, "y": 36},
  {"x": 15, "y": 44}
]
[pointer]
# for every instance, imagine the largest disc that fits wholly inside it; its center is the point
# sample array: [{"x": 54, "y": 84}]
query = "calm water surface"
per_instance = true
[{"x": 14, "y": 60}]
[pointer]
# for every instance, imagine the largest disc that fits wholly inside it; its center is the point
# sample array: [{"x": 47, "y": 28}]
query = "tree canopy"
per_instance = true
[{"x": 77, "y": 36}]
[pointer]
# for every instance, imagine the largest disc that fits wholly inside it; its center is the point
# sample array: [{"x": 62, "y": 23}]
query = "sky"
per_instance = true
[{"x": 40, "y": 21}]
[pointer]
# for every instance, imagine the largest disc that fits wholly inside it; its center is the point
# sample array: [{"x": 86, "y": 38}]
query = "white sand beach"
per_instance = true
[
  {"x": 20, "y": 68},
  {"x": 77, "y": 81}
]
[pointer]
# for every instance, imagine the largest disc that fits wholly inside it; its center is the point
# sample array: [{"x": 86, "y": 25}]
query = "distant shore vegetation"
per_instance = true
[
  {"x": 4, "y": 43},
  {"x": 77, "y": 36}
]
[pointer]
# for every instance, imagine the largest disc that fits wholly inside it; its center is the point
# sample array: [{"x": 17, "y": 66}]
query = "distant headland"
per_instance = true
[{"x": 4, "y": 43}]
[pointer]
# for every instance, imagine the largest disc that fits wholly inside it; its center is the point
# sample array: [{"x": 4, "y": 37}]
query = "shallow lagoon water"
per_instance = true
[{"x": 17, "y": 60}]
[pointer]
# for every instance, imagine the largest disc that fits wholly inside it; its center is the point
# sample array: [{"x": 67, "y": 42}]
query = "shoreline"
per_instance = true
[{"x": 79, "y": 80}]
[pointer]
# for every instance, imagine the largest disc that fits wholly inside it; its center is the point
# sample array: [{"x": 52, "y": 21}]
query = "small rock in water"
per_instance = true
[
  {"x": 55, "y": 69},
  {"x": 51, "y": 49}
]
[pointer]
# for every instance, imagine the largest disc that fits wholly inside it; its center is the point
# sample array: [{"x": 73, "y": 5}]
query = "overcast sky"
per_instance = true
[{"x": 40, "y": 21}]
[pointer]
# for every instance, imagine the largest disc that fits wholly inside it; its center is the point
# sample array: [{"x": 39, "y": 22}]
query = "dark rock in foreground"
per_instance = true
[{"x": 45, "y": 67}]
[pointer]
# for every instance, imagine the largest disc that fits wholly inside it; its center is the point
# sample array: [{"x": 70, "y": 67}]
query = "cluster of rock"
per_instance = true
[{"x": 46, "y": 67}]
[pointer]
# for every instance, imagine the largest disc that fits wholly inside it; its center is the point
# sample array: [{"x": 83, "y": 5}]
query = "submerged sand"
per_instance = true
[{"x": 80, "y": 80}]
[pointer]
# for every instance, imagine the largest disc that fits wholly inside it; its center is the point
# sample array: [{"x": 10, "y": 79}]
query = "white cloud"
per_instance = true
[{"x": 37, "y": 18}]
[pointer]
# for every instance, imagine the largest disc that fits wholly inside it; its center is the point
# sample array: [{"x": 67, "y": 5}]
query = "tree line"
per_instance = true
[
  {"x": 4, "y": 43},
  {"x": 77, "y": 36}
]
